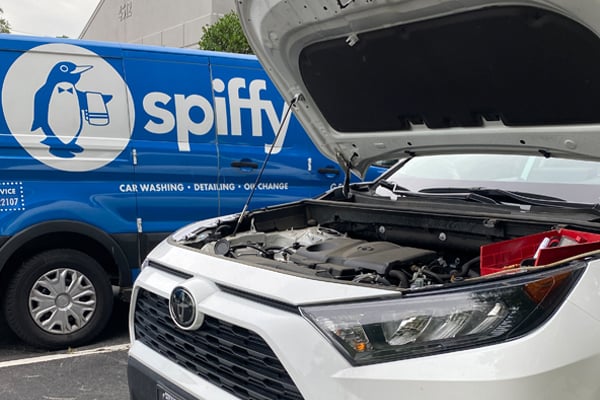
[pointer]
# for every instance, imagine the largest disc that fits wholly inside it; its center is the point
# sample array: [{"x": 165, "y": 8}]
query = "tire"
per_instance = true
[{"x": 59, "y": 298}]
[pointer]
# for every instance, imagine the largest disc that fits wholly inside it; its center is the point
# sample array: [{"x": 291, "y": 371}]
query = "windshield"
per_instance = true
[{"x": 570, "y": 180}]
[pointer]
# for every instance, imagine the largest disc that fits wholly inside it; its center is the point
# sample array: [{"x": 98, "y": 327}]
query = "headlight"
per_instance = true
[{"x": 442, "y": 321}]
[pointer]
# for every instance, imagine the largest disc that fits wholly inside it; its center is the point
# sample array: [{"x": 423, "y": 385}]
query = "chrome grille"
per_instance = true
[{"x": 231, "y": 357}]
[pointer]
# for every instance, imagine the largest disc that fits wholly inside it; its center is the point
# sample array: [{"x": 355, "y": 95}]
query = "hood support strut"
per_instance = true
[{"x": 264, "y": 164}]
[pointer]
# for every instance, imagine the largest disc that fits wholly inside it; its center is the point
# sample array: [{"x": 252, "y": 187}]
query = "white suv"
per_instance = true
[{"x": 471, "y": 269}]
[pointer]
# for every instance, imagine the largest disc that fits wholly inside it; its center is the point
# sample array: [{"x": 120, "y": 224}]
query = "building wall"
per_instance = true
[{"x": 173, "y": 23}]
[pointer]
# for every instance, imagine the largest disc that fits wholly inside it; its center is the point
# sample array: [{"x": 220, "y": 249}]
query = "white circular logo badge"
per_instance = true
[{"x": 67, "y": 107}]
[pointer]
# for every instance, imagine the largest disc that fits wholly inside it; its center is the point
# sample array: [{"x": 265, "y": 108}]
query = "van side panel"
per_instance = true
[
  {"x": 173, "y": 138},
  {"x": 253, "y": 124},
  {"x": 56, "y": 160}
]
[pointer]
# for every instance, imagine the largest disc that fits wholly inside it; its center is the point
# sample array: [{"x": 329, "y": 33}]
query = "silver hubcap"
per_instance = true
[{"x": 62, "y": 301}]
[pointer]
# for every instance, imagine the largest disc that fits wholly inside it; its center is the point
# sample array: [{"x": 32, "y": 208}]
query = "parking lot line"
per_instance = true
[{"x": 70, "y": 354}]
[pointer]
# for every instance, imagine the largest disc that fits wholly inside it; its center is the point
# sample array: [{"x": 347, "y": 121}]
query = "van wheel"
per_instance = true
[{"x": 59, "y": 298}]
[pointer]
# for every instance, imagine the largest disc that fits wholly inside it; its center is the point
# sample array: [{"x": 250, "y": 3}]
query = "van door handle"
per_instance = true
[
  {"x": 329, "y": 171},
  {"x": 244, "y": 164}
]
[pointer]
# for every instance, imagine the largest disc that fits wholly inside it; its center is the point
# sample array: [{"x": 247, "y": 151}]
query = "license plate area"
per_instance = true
[{"x": 164, "y": 394}]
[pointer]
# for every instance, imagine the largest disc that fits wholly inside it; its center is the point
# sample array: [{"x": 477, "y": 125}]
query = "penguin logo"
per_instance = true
[
  {"x": 67, "y": 107},
  {"x": 59, "y": 109}
]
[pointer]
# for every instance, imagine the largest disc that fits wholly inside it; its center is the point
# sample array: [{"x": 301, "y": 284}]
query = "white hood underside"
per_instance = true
[{"x": 379, "y": 80}]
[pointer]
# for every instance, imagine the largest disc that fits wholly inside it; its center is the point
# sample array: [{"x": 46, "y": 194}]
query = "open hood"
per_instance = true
[{"x": 378, "y": 80}]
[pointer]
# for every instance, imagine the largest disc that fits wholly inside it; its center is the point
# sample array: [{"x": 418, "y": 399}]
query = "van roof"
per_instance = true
[{"x": 26, "y": 42}]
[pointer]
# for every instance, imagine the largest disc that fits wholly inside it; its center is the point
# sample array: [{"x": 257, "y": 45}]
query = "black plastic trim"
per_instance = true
[
  {"x": 261, "y": 300},
  {"x": 236, "y": 292},
  {"x": 154, "y": 264},
  {"x": 143, "y": 383}
]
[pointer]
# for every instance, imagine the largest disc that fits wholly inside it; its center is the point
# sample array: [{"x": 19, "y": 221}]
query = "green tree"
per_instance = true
[
  {"x": 225, "y": 35},
  {"x": 4, "y": 25}
]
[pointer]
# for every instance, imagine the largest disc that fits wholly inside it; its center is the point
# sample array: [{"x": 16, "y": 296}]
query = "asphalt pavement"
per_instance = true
[{"x": 94, "y": 372}]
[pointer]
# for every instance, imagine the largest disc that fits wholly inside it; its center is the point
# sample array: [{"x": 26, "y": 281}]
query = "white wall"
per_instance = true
[{"x": 173, "y": 23}]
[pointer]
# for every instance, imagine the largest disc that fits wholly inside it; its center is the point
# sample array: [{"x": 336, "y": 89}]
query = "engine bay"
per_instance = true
[
  {"x": 363, "y": 245},
  {"x": 327, "y": 253}
]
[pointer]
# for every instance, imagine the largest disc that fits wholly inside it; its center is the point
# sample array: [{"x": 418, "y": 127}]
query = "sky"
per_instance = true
[{"x": 48, "y": 17}]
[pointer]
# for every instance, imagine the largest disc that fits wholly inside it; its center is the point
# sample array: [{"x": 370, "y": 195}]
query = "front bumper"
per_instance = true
[{"x": 559, "y": 360}]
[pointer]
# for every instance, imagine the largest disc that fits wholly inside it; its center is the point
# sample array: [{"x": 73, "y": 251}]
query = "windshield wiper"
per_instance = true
[
  {"x": 505, "y": 196},
  {"x": 490, "y": 196},
  {"x": 521, "y": 198}
]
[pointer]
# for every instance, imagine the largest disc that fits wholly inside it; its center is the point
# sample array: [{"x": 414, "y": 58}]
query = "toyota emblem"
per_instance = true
[{"x": 182, "y": 308}]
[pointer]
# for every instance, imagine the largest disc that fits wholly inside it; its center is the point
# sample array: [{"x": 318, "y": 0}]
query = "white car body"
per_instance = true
[
  {"x": 364, "y": 292},
  {"x": 559, "y": 361}
]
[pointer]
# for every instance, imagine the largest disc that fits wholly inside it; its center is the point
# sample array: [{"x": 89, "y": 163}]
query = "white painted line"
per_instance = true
[{"x": 62, "y": 356}]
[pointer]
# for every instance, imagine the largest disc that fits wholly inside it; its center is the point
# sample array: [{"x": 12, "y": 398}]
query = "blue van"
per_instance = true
[{"x": 107, "y": 148}]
